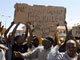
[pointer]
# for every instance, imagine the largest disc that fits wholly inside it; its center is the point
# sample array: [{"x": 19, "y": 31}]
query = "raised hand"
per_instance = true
[
  {"x": 12, "y": 23},
  {"x": 28, "y": 25},
  {"x": 61, "y": 42},
  {"x": 17, "y": 54},
  {"x": 65, "y": 22},
  {"x": 1, "y": 27}
]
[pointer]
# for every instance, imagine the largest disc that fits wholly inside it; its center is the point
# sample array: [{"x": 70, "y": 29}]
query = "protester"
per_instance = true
[
  {"x": 33, "y": 41},
  {"x": 40, "y": 52},
  {"x": 2, "y": 47},
  {"x": 19, "y": 45},
  {"x": 70, "y": 54},
  {"x": 9, "y": 40}
]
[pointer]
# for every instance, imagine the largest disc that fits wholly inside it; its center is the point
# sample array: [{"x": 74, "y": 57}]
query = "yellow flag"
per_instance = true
[
  {"x": 40, "y": 40},
  {"x": 57, "y": 35}
]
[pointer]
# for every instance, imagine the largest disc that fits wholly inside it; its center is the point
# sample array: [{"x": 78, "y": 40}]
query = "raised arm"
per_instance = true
[
  {"x": 66, "y": 27},
  {"x": 54, "y": 54},
  {"x": 13, "y": 33},
  {"x": 67, "y": 32},
  {"x": 1, "y": 27},
  {"x": 26, "y": 33},
  {"x": 6, "y": 32},
  {"x": 31, "y": 35}
]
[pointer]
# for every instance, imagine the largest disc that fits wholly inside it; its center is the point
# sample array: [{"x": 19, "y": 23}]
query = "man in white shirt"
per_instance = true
[
  {"x": 70, "y": 54},
  {"x": 40, "y": 52}
]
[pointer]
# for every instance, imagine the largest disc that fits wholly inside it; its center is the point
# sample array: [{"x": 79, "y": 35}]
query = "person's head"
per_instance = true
[
  {"x": 71, "y": 48},
  {"x": 47, "y": 42},
  {"x": 35, "y": 41},
  {"x": 18, "y": 39}
]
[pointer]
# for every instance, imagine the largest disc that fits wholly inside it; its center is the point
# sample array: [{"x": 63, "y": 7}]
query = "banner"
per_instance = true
[{"x": 44, "y": 18}]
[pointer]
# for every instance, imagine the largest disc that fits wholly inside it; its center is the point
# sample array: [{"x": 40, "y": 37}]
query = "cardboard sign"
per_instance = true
[{"x": 44, "y": 18}]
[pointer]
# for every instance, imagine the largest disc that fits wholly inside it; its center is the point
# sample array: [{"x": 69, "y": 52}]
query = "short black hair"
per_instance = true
[
  {"x": 49, "y": 38},
  {"x": 16, "y": 37},
  {"x": 35, "y": 38}
]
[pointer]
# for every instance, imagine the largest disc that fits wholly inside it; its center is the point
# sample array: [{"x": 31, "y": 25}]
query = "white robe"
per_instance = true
[
  {"x": 2, "y": 55},
  {"x": 56, "y": 55}
]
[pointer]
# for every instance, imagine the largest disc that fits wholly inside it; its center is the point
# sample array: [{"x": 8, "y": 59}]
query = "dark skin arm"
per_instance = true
[
  {"x": 67, "y": 32},
  {"x": 13, "y": 33},
  {"x": 6, "y": 32},
  {"x": 66, "y": 27},
  {"x": 31, "y": 36},
  {"x": 26, "y": 33},
  {"x": 1, "y": 27}
]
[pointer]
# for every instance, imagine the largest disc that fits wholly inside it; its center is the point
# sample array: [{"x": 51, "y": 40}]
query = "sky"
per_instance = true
[{"x": 72, "y": 9}]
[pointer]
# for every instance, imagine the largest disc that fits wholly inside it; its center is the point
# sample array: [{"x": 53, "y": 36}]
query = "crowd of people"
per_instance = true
[{"x": 24, "y": 47}]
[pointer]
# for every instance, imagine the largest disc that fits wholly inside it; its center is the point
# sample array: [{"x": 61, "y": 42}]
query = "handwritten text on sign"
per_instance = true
[{"x": 40, "y": 16}]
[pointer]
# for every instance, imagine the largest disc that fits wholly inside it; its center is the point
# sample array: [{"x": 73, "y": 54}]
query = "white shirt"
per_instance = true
[
  {"x": 75, "y": 58},
  {"x": 2, "y": 55},
  {"x": 30, "y": 50},
  {"x": 40, "y": 53}
]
